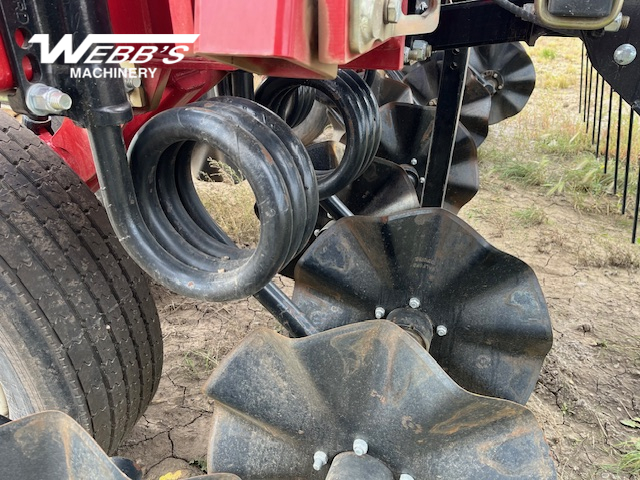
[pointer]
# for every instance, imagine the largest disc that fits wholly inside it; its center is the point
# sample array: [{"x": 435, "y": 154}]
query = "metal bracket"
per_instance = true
[{"x": 375, "y": 21}]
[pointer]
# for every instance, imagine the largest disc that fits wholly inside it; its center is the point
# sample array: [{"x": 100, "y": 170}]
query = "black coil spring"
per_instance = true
[
  {"x": 356, "y": 104},
  {"x": 259, "y": 145}
]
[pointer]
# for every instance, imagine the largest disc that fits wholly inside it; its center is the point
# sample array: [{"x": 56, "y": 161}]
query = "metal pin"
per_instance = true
[
  {"x": 600, "y": 117},
  {"x": 595, "y": 111},
  {"x": 628, "y": 161},
  {"x": 606, "y": 148},
  {"x": 615, "y": 174}
]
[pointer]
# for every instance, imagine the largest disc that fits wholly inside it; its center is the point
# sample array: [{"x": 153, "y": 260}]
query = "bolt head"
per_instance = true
[
  {"x": 421, "y": 7},
  {"x": 625, "y": 54},
  {"x": 320, "y": 459},
  {"x": 360, "y": 447},
  {"x": 414, "y": 161},
  {"x": 44, "y": 100},
  {"x": 422, "y": 180},
  {"x": 420, "y": 50},
  {"x": 379, "y": 312},
  {"x": 393, "y": 11},
  {"x": 414, "y": 302},
  {"x": 441, "y": 330}
]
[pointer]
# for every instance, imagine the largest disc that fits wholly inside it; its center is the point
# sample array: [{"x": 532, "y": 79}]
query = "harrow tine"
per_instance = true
[
  {"x": 595, "y": 110},
  {"x": 636, "y": 213},
  {"x": 586, "y": 88},
  {"x": 588, "y": 107},
  {"x": 628, "y": 161},
  {"x": 615, "y": 175},
  {"x": 600, "y": 117},
  {"x": 606, "y": 148},
  {"x": 581, "y": 77}
]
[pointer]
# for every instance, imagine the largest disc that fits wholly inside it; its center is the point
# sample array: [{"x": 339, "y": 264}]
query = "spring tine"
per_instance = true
[
  {"x": 588, "y": 111},
  {"x": 606, "y": 148},
  {"x": 595, "y": 111},
  {"x": 628, "y": 161},
  {"x": 581, "y": 77},
  {"x": 600, "y": 117},
  {"x": 615, "y": 175}
]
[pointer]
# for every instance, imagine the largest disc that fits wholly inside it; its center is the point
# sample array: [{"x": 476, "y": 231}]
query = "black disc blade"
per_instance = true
[
  {"x": 510, "y": 70},
  {"x": 406, "y": 139},
  {"x": 383, "y": 189},
  {"x": 497, "y": 324},
  {"x": 279, "y": 400},
  {"x": 424, "y": 80}
]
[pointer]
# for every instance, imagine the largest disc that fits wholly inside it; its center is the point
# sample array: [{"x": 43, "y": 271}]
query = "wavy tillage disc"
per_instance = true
[
  {"x": 490, "y": 302},
  {"x": 424, "y": 80},
  {"x": 383, "y": 189},
  {"x": 406, "y": 134},
  {"x": 279, "y": 400},
  {"x": 508, "y": 66},
  {"x": 387, "y": 90}
]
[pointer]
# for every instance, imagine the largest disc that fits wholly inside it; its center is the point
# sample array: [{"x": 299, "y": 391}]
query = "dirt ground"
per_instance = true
[{"x": 590, "y": 381}]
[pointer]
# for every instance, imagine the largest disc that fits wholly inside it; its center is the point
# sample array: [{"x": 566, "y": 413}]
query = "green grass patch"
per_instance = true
[
  {"x": 629, "y": 462},
  {"x": 531, "y": 216},
  {"x": 548, "y": 53}
]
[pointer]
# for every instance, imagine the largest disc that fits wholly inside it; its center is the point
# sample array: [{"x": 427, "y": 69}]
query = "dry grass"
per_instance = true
[
  {"x": 607, "y": 252},
  {"x": 546, "y": 146},
  {"x": 231, "y": 204}
]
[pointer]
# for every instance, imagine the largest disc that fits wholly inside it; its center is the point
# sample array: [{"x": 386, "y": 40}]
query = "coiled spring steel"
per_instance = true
[
  {"x": 356, "y": 104},
  {"x": 258, "y": 144}
]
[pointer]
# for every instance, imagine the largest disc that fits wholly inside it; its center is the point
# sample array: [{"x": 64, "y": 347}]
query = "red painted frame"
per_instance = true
[{"x": 280, "y": 47}]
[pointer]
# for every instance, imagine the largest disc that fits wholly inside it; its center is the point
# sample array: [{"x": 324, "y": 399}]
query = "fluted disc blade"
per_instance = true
[
  {"x": 511, "y": 70},
  {"x": 424, "y": 80},
  {"x": 406, "y": 135},
  {"x": 388, "y": 90},
  {"x": 280, "y": 400},
  {"x": 490, "y": 302},
  {"x": 384, "y": 188}
]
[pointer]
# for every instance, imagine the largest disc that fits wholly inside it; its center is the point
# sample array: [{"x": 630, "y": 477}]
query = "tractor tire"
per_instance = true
[{"x": 79, "y": 331}]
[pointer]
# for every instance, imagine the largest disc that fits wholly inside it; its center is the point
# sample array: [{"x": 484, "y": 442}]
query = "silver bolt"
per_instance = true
[
  {"x": 405, "y": 476},
  {"x": 421, "y": 179},
  {"x": 320, "y": 459},
  {"x": 500, "y": 87},
  {"x": 43, "y": 100},
  {"x": 441, "y": 330},
  {"x": 625, "y": 54},
  {"x": 495, "y": 75},
  {"x": 379, "y": 312},
  {"x": 316, "y": 232},
  {"x": 131, "y": 83},
  {"x": 414, "y": 161},
  {"x": 360, "y": 447},
  {"x": 392, "y": 11},
  {"x": 420, "y": 50},
  {"x": 421, "y": 7},
  {"x": 414, "y": 302}
]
